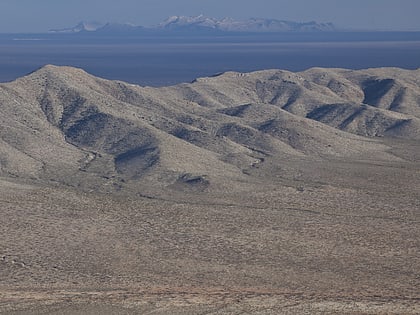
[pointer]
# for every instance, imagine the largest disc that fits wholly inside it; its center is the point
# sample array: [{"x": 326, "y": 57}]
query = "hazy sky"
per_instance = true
[{"x": 41, "y": 15}]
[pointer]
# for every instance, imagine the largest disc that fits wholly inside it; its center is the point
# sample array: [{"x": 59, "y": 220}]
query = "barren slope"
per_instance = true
[
  {"x": 62, "y": 124},
  {"x": 268, "y": 193}
]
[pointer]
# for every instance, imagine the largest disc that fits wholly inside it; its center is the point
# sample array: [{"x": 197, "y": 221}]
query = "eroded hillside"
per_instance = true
[{"x": 62, "y": 124}]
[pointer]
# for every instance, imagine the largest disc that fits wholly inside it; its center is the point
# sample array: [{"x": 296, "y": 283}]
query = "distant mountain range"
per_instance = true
[{"x": 202, "y": 23}]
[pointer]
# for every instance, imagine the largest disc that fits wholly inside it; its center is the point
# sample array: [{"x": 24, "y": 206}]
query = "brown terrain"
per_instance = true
[{"x": 269, "y": 192}]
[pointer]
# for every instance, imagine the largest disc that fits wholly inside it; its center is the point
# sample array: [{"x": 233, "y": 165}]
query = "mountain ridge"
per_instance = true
[
  {"x": 249, "y": 25},
  {"x": 214, "y": 130}
]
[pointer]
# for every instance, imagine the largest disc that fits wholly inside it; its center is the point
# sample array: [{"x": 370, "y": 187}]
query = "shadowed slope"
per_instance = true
[{"x": 341, "y": 98}]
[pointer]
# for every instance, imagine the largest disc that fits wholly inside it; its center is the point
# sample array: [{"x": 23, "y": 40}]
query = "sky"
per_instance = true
[{"x": 41, "y": 15}]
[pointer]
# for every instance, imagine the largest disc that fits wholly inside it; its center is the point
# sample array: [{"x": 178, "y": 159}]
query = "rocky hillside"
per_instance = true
[{"x": 62, "y": 124}]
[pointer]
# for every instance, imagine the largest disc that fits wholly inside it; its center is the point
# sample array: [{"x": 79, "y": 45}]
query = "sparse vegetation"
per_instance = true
[{"x": 269, "y": 192}]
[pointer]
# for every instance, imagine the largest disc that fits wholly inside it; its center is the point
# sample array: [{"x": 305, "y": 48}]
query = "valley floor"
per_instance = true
[
  {"x": 340, "y": 238},
  {"x": 197, "y": 301}
]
